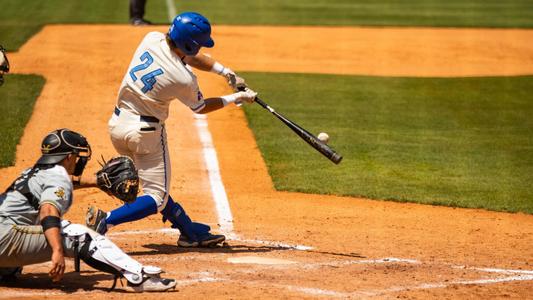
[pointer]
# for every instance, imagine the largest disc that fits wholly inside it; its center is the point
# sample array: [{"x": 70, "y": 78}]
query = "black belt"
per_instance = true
[{"x": 148, "y": 119}]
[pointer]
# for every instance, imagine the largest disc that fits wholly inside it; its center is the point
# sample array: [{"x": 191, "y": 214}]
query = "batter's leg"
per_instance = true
[
  {"x": 141, "y": 208},
  {"x": 193, "y": 234},
  {"x": 150, "y": 154}
]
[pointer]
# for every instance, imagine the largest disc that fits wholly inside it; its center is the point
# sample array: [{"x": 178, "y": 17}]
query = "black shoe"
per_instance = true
[
  {"x": 207, "y": 240},
  {"x": 9, "y": 275},
  {"x": 140, "y": 22}
]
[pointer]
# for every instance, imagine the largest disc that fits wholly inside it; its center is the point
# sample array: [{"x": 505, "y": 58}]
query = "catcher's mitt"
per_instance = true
[
  {"x": 4, "y": 64},
  {"x": 119, "y": 177}
]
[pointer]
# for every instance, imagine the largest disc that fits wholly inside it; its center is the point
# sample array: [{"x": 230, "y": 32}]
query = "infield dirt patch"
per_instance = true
[{"x": 319, "y": 246}]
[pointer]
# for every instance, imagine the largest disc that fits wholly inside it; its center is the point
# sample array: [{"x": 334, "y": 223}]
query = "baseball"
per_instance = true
[{"x": 323, "y": 137}]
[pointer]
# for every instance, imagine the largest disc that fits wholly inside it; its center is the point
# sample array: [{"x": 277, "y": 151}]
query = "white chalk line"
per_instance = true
[
  {"x": 225, "y": 218},
  {"x": 518, "y": 275},
  {"x": 376, "y": 293},
  {"x": 144, "y": 232},
  {"x": 386, "y": 260},
  {"x": 315, "y": 291},
  {"x": 232, "y": 237},
  {"x": 437, "y": 285},
  {"x": 208, "y": 277},
  {"x": 171, "y": 10},
  {"x": 306, "y": 290},
  {"x": 201, "y": 277},
  {"x": 496, "y": 270},
  {"x": 273, "y": 244}
]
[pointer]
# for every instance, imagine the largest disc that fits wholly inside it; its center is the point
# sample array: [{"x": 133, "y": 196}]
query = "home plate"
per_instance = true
[{"x": 259, "y": 260}]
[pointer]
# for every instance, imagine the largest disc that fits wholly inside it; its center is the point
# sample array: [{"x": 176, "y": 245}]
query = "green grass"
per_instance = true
[
  {"x": 17, "y": 97},
  {"x": 454, "y": 13},
  {"x": 463, "y": 142},
  {"x": 20, "y": 19}
]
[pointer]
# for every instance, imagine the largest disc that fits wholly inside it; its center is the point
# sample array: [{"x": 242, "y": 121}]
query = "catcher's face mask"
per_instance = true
[
  {"x": 83, "y": 158},
  {"x": 4, "y": 64}
]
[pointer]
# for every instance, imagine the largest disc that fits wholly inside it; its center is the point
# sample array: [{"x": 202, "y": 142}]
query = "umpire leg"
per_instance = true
[{"x": 137, "y": 9}]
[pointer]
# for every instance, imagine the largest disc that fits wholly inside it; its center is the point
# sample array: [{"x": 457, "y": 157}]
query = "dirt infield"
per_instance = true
[{"x": 282, "y": 245}]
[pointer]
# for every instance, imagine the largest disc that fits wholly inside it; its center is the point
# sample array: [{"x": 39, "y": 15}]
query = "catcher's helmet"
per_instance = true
[
  {"x": 190, "y": 31},
  {"x": 58, "y": 144}
]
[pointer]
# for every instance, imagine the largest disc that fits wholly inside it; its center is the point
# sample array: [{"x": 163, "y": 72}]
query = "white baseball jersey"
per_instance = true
[
  {"x": 52, "y": 185},
  {"x": 155, "y": 77}
]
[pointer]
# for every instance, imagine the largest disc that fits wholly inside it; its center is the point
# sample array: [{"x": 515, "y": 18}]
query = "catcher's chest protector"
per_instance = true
[{"x": 21, "y": 185}]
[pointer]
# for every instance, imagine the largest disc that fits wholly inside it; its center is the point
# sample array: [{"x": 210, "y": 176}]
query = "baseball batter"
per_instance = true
[
  {"x": 31, "y": 229},
  {"x": 160, "y": 71}
]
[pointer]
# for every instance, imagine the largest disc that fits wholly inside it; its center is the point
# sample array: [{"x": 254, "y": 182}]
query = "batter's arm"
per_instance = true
[
  {"x": 200, "y": 61},
  {"x": 206, "y": 63},
  {"x": 54, "y": 239},
  {"x": 212, "y": 104}
]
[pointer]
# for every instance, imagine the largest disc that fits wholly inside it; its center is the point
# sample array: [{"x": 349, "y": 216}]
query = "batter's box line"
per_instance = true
[
  {"x": 496, "y": 270},
  {"x": 230, "y": 237},
  {"x": 235, "y": 237}
]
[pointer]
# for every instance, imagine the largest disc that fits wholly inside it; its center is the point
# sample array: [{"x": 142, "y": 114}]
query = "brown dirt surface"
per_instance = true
[{"x": 282, "y": 245}]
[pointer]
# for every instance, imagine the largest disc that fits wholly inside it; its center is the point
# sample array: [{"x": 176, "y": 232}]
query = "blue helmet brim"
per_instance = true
[{"x": 209, "y": 43}]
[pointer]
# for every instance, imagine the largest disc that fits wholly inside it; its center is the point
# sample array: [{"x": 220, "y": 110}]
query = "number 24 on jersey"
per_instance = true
[{"x": 148, "y": 79}]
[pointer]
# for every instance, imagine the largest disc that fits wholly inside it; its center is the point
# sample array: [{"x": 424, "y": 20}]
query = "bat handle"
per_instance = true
[
  {"x": 257, "y": 100},
  {"x": 263, "y": 104}
]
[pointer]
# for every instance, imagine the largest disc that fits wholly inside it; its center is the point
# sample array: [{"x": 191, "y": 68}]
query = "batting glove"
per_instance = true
[{"x": 245, "y": 96}]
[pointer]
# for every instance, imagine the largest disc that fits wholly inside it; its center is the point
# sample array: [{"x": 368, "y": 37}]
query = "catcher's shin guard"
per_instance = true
[{"x": 100, "y": 253}]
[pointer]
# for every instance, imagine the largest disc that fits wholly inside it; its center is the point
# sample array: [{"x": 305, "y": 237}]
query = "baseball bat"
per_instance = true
[{"x": 304, "y": 134}]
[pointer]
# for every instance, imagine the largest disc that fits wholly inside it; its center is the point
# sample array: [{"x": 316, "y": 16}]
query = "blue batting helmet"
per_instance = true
[{"x": 190, "y": 31}]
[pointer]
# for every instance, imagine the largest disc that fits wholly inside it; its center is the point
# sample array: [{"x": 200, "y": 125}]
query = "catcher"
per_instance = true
[{"x": 32, "y": 231}]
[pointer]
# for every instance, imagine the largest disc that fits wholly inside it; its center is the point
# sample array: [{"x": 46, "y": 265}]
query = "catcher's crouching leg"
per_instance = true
[{"x": 100, "y": 253}]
